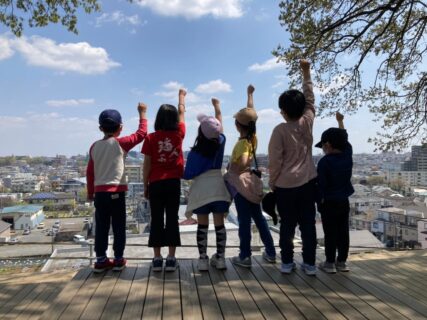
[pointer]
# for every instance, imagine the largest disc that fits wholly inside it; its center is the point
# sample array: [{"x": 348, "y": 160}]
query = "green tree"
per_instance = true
[
  {"x": 343, "y": 39},
  {"x": 39, "y": 13}
]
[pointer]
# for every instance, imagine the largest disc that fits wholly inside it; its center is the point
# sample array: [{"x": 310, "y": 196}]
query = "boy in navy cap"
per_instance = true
[
  {"x": 106, "y": 184},
  {"x": 334, "y": 173}
]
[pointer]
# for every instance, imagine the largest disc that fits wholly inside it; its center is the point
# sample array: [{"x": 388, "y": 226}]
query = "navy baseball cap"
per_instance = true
[
  {"x": 110, "y": 118},
  {"x": 335, "y": 136}
]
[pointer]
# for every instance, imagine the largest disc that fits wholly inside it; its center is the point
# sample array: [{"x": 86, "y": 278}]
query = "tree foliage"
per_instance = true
[
  {"x": 346, "y": 39},
  {"x": 14, "y": 14}
]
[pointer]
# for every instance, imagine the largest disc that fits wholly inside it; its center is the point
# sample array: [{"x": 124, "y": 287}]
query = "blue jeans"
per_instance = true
[
  {"x": 296, "y": 207},
  {"x": 245, "y": 211}
]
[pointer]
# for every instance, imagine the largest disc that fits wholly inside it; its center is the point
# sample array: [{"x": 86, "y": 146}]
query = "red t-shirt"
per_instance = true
[{"x": 165, "y": 150}]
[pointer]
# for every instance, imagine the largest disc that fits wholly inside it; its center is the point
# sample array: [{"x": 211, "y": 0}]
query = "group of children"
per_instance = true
[{"x": 296, "y": 185}]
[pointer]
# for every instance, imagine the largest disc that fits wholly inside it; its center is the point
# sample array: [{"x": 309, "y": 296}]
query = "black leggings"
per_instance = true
[{"x": 164, "y": 198}]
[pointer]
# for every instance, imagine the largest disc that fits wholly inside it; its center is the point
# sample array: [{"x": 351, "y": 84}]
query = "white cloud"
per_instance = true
[
  {"x": 5, "y": 48},
  {"x": 78, "y": 57},
  {"x": 213, "y": 86},
  {"x": 69, "y": 102},
  {"x": 269, "y": 116},
  {"x": 337, "y": 82},
  {"x": 171, "y": 92},
  {"x": 119, "y": 18},
  {"x": 192, "y": 9},
  {"x": 268, "y": 65}
]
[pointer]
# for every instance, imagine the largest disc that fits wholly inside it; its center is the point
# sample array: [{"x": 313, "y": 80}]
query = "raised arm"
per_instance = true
[
  {"x": 251, "y": 90},
  {"x": 128, "y": 142},
  {"x": 217, "y": 107},
  {"x": 307, "y": 85},
  {"x": 340, "y": 120},
  {"x": 181, "y": 105}
]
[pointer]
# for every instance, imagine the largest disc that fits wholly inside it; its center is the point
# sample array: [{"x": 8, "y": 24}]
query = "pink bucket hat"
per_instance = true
[{"x": 210, "y": 126}]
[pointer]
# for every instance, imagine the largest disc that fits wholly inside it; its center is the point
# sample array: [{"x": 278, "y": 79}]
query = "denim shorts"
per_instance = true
[{"x": 214, "y": 207}]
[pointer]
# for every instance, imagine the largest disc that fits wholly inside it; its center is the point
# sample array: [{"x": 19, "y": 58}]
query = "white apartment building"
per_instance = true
[
  {"x": 422, "y": 233},
  {"x": 133, "y": 172},
  {"x": 410, "y": 178}
]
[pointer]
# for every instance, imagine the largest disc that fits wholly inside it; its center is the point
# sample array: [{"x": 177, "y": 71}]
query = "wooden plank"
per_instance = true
[
  {"x": 116, "y": 303},
  {"x": 395, "y": 278},
  {"x": 99, "y": 299},
  {"x": 300, "y": 302},
  {"x": 247, "y": 305},
  {"x": 261, "y": 298},
  {"x": 14, "y": 302},
  {"x": 82, "y": 297},
  {"x": 280, "y": 299},
  {"x": 405, "y": 272},
  {"x": 8, "y": 291},
  {"x": 388, "y": 295},
  {"x": 45, "y": 302},
  {"x": 24, "y": 304},
  {"x": 207, "y": 296},
  {"x": 319, "y": 302},
  {"x": 137, "y": 293},
  {"x": 366, "y": 303},
  {"x": 189, "y": 296},
  {"x": 67, "y": 294},
  {"x": 342, "y": 306},
  {"x": 154, "y": 300},
  {"x": 35, "y": 305},
  {"x": 229, "y": 307},
  {"x": 172, "y": 296}
]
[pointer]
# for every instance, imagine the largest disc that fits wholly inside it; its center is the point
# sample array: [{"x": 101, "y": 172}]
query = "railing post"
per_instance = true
[{"x": 90, "y": 253}]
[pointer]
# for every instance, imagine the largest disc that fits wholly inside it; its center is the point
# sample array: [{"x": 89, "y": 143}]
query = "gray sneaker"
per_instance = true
[
  {"x": 342, "y": 266},
  {"x": 328, "y": 267},
  {"x": 287, "y": 268},
  {"x": 203, "y": 264},
  {"x": 268, "y": 258},
  {"x": 218, "y": 262},
  {"x": 246, "y": 262},
  {"x": 308, "y": 269}
]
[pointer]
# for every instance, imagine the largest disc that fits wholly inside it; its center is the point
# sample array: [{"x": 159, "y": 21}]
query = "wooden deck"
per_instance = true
[{"x": 387, "y": 285}]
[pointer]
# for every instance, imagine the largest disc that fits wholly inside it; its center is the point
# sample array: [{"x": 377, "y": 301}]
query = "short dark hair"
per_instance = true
[
  {"x": 204, "y": 146},
  {"x": 110, "y": 129},
  {"x": 292, "y": 102},
  {"x": 166, "y": 118}
]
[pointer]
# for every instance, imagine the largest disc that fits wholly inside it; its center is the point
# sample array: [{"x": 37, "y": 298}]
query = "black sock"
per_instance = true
[
  {"x": 221, "y": 239},
  {"x": 202, "y": 239}
]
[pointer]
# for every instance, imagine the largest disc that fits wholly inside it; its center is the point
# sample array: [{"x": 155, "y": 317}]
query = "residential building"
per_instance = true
[
  {"x": 4, "y": 231},
  {"x": 135, "y": 189},
  {"x": 134, "y": 172},
  {"x": 22, "y": 217},
  {"x": 53, "y": 200},
  {"x": 422, "y": 233}
]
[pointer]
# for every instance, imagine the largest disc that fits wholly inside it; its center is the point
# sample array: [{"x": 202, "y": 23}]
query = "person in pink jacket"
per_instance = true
[{"x": 292, "y": 173}]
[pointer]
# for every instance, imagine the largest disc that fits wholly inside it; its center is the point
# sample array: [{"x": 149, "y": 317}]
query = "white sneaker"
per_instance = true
[
  {"x": 203, "y": 264},
  {"x": 308, "y": 269},
  {"x": 342, "y": 266},
  {"x": 328, "y": 267},
  {"x": 218, "y": 262},
  {"x": 287, "y": 268}
]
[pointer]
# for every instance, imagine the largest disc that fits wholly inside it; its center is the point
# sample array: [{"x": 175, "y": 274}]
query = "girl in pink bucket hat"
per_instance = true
[{"x": 208, "y": 192}]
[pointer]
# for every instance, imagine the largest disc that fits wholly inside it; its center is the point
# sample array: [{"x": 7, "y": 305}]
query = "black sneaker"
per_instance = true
[
  {"x": 157, "y": 264},
  {"x": 171, "y": 264}
]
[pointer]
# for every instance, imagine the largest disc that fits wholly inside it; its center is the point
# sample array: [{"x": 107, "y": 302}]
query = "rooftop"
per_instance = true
[
  {"x": 31, "y": 208},
  {"x": 381, "y": 285}
]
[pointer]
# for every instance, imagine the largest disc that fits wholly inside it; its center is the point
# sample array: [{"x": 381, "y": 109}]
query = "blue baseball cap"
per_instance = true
[{"x": 110, "y": 118}]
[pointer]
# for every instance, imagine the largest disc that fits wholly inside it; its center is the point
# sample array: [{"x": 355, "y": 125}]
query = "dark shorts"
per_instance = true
[{"x": 214, "y": 207}]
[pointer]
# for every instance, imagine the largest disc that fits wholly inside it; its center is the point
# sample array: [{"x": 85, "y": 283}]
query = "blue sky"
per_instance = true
[{"x": 55, "y": 83}]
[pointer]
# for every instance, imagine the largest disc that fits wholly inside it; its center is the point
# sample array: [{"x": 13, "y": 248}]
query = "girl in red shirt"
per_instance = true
[{"x": 163, "y": 169}]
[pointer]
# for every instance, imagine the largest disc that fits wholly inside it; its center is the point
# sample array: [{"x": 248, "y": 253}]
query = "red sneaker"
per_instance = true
[
  {"x": 99, "y": 267},
  {"x": 119, "y": 264}
]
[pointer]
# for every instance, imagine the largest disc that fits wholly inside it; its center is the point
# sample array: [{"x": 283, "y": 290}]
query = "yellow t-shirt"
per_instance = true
[{"x": 243, "y": 146}]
